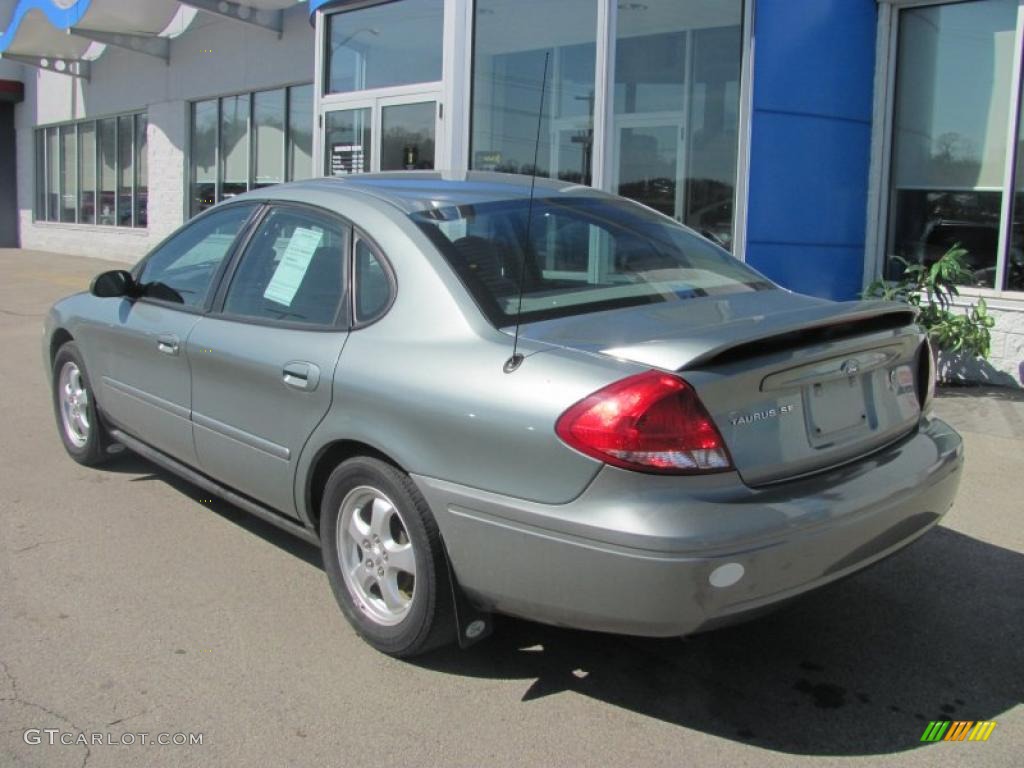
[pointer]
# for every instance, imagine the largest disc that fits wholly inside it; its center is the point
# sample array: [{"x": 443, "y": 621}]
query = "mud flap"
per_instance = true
[{"x": 472, "y": 624}]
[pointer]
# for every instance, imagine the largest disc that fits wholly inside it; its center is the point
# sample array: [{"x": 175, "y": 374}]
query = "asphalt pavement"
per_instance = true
[{"x": 131, "y": 602}]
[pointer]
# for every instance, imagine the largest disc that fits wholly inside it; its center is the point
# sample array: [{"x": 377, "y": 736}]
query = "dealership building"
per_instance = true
[{"x": 816, "y": 139}]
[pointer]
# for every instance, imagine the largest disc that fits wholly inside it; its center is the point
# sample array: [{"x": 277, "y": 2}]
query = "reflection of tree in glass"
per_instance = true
[{"x": 954, "y": 158}]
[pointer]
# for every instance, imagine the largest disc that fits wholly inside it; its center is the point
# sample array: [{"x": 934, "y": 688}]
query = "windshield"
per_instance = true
[{"x": 584, "y": 254}]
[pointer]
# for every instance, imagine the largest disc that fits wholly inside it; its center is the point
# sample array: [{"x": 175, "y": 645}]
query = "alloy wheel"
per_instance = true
[{"x": 376, "y": 555}]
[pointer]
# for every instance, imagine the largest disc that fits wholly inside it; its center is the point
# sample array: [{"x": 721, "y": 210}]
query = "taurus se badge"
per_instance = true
[{"x": 770, "y": 413}]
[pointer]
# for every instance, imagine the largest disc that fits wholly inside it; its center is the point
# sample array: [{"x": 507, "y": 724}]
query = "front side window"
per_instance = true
[
  {"x": 954, "y": 75},
  {"x": 292, "y": 270},
  {"x": 583, "y": 254},
  {"x": 181, "y": 271},
  {"x": 385, "y": 45}
]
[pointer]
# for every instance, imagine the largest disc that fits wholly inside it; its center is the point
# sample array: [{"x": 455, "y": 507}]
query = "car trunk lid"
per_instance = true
[{"x": 794, "y": 384}]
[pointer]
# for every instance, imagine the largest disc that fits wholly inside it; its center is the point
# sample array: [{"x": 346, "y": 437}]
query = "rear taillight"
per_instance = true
[
  {"x": 925, "y": 374},
  {"x": 651, "y": 422}
]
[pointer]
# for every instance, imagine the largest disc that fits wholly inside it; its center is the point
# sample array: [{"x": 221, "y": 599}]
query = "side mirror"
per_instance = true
[{"x": 115, "y": 283}]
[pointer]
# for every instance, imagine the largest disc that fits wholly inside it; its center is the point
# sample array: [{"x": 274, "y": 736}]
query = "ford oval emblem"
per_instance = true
[{"x": 850, "y": 367}]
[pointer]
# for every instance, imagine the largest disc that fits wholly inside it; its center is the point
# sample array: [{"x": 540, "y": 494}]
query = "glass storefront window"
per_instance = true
[
  {"x": 248, "y": 141},
  {"x": 300, "y": 132},
  {"x": 40, "y": 203},
  {"x": 52, "y": 175},
  {"x": 141, "y": 171},
  {"x": 125, "y": 171},
  {"x": 347, "y": 141},
  {"x": 234, "y": 145},
  {"x": 268, "y": 117},
  {"x": 203, "y": 153},
  {"x": 384, "y": 45},
  {"x": 87, "y": 173},
  {"x": 949, "y": 133},
  {"x": 675, "y": 130},
  {"x": 68, "y": 173},
  {"x": 511, "y": 40},
  {"x": 1013, "y": 275},
  {"x": 108, "y": 172}
]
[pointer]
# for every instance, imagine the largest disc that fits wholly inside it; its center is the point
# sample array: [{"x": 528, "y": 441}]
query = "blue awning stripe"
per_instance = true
[{"x": 61, "y": 18}]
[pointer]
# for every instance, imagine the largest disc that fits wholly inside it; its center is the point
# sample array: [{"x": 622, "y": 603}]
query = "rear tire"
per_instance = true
[
  {"x": 74, "y": 404},
  {"x": 385, "y": 560}
]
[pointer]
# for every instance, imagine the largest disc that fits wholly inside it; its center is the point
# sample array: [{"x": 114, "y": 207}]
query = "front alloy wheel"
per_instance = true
[{"x": 74, "y": 405}]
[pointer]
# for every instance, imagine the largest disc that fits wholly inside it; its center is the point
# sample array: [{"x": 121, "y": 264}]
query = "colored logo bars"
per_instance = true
[{"x": 958, "y": 730}]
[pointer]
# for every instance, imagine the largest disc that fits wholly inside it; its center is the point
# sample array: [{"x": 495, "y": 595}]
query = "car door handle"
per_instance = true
[
  {"x": 168, "y": 343},
  {"x": 300, "y": 375}
]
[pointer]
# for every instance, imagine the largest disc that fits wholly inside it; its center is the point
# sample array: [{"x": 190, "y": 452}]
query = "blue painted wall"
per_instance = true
[{"x": 810, "y": 143}]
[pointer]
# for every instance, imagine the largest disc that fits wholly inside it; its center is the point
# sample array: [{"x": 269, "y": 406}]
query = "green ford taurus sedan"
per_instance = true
[{"x": 479, "y": 397}]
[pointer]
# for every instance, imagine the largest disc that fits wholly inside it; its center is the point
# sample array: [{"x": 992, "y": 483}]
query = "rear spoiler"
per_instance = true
[{"x": 757, "y": 336}]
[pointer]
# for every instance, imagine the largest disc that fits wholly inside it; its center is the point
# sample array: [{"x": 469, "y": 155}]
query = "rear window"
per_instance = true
[{"x": 582, "y": 254}]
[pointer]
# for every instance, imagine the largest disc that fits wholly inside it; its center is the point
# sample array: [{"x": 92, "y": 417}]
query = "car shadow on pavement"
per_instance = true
[
  {"x": 935, "y": 632},
  {"x": 859, "y": 668},
  {"x": 133, "y": 464}
]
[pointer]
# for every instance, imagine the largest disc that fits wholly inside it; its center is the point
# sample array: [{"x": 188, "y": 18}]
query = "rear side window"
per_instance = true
[
  {"x": 181, "y": 271},
  {"x": 373, "y": 284},
  {"x": 292, "y": 270}
]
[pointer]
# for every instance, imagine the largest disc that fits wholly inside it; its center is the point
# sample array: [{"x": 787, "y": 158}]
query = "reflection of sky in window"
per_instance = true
[
  {"x": 380, "y": 46},
  {"x": 954, "y": 86}
]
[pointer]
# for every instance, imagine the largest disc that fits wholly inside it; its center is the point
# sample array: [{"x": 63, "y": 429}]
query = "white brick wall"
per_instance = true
[
  {"x": 1008, "y": 343},
  {"x": 214, "y": 57}
]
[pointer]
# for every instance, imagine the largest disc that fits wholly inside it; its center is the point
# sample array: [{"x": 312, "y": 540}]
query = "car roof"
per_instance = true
[{"x": 412, "y": 191}]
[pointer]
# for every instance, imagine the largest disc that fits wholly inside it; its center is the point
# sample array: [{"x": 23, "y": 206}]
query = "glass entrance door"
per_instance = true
[
  {"x": 382, "y": 134},
  {"x": 408, "y": 136}
]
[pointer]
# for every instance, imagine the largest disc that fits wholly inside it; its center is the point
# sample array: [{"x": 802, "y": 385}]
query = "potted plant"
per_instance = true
[{"x": 959, "y": 335}]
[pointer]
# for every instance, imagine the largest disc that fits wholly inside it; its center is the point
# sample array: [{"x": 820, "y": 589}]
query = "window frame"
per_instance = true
[
  {"x": 882, "y": 145},
  {"x": 256, "y": 215},
  {"x": 342, "y": 317},
  {"x": 41, "y": 133}
]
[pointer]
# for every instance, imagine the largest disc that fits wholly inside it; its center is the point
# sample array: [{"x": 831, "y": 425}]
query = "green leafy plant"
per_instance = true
[{"x": 932, "y": 289}]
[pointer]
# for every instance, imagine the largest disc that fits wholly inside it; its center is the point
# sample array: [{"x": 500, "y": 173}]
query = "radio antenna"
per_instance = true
[{"x": 516, "y": 360}]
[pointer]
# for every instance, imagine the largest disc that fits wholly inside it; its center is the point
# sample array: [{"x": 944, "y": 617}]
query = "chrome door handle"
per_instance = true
[
  {"x": 300, "y": 375},
  {"x": 168, "y": 344}
]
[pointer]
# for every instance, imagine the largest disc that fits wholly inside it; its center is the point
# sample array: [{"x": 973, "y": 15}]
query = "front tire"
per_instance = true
[
  {"x": 74, "y": 405},
  {"x": 385, "y": 560}
]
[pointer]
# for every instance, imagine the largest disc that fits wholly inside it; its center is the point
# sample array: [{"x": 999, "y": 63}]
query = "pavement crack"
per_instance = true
[
  {"x": 37, "y": 544},
  {"x": 16, "y": 698},
  {"x": 127, "y": 717}
]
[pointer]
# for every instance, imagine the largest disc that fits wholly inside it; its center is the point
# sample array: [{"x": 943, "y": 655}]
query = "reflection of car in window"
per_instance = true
[{"x": 979, "y": 238}]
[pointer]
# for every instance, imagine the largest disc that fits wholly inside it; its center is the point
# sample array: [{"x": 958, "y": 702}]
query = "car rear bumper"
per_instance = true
[{"x": 663, "y": 556}]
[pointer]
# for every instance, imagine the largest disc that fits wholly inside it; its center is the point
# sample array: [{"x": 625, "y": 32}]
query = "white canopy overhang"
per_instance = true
[{"x": 65, "y": 35}]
